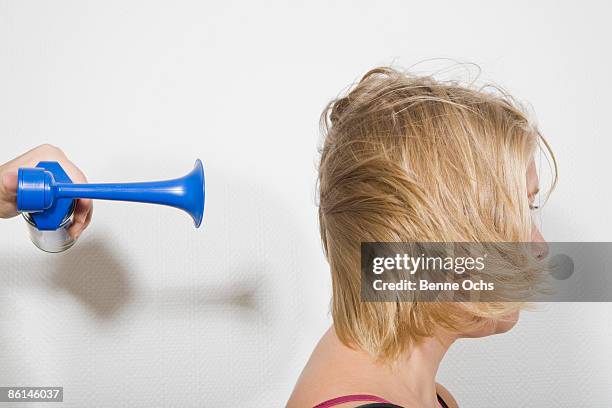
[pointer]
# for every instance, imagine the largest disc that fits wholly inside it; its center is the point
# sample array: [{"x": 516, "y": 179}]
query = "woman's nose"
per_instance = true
[{"x": 539, "y": 245}]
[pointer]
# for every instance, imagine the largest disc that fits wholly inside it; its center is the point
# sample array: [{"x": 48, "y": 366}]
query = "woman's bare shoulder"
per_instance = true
[
  {"x": 322, "y": 382},
  {"x": 333, "y": 370},
  {"x": 446, "y": 396},
  {"x": 314, "y": 388}
]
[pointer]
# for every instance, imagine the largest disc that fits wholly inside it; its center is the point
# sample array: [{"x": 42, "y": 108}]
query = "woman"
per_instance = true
[{"x": 408, "y": 158}]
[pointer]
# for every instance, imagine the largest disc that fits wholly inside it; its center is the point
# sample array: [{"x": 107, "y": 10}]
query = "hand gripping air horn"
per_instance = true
[{"x": 46, "y": 197}]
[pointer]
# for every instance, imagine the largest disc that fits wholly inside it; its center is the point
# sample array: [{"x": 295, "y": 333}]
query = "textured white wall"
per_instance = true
[{"x": 145, "y": 310}]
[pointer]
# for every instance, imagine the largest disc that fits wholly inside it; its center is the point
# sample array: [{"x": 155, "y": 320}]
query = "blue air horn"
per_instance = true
[{"x": 46, "y": 197}]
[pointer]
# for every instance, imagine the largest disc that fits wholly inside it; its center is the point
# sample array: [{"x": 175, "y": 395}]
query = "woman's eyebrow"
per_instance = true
[{"x": 535, "y": 191}]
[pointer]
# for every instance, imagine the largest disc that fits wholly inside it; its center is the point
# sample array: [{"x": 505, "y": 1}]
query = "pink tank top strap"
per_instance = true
[{"x": 350, "y": 398}]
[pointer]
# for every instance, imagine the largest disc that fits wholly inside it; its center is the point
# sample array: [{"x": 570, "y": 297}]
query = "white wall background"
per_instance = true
[{"x": 146, "y": 311}]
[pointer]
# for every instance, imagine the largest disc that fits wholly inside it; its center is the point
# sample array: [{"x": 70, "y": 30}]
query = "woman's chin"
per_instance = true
[
  {"x": 507, "y": 322},
  {"x": 495, "y": 326}
]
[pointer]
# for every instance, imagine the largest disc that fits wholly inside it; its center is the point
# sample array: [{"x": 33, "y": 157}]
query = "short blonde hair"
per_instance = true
[{"x": 409, "y": 158}]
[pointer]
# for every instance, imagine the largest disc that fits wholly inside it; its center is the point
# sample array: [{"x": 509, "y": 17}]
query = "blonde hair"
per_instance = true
[{"x": 409, "y": 158}]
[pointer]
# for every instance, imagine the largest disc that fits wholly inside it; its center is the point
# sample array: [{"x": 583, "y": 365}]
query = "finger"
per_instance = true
[
  {"x": 88, "y": 218},
  {"x": 82, "y": 217},
  {"x": 9, "y": 183},
  {"x": 53, "y": 153},
  {"x": 75, "y": 174},
  {"x": 8, "y": 191}
]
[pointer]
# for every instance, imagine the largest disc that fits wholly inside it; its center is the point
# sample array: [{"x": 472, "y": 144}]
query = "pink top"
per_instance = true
[
  {"x": 365, "y": 398},
  {"x": 350, "y": 398}
]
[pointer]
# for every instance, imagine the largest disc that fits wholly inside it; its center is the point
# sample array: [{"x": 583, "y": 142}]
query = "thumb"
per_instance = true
[{"x": 9, "y": 182}]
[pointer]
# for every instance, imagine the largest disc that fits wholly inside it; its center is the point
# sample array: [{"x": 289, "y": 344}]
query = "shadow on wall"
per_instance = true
[
  {"x": 96, "y": 276},
  {"x": 93, "y": 275},
  {"x": 241, "y": 296}
]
